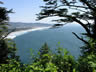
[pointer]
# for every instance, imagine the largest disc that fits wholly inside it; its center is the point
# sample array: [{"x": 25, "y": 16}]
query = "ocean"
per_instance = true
[{"x": 31, "y": 42}]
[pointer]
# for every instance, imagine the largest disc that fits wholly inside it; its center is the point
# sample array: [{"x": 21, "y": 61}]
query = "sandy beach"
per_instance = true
[{"x": 21, "y": 32}]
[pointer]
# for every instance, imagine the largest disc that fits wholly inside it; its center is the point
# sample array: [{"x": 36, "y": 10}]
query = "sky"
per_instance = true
[{"x": 25, "y": 10}]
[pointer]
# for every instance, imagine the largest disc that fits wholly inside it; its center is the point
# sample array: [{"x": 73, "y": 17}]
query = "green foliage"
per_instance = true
[
  {"x": 44, "y": 50},
  {"x": 87, "y": 63},
  {"x": 38, "y": 67},
  {"x": 83, "y": 12},
  {"x": 12, "y": 66},
  {"x": 61, "y": 61},
  {"x": 89, "y": 48},
  {"x": 41, "y": 64},
  {"x": 64, "y": 61},
  {"x": 7, "y": 50},
  {"x": 7, "y": 47}
]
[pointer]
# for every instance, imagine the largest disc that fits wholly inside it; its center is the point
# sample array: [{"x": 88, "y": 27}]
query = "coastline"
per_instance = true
[{"x": 21, "y": 32}]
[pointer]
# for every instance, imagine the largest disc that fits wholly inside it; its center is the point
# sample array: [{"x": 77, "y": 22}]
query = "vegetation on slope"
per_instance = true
[{"x": 61, "y": 61}]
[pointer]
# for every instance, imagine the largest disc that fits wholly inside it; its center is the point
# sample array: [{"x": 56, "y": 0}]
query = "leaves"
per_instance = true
[{"x": 45, "y": 0}]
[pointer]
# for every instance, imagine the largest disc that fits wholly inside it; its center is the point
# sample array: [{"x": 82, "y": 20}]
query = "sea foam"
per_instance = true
[{"x": 18, "y": 33}]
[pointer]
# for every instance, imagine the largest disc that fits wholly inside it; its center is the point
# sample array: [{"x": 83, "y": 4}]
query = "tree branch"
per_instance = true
[
  {"x": 83, "y": 25},
  {"x": 7, "y": 34},
  {"x": 72, "y": 6},
  {"x": 80, "y": 38},
  {"x": 90, "y": 7},
  {"x": 78, "y": 9}
]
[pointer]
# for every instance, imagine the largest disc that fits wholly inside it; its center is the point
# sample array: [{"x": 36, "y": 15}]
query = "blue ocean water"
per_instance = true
[{"x": 34, "y": 40}]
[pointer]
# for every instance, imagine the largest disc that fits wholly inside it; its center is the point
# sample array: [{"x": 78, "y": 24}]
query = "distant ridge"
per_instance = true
[{"x": 27, "y": 25}]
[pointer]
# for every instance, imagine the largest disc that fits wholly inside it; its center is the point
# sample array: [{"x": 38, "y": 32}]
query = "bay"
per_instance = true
[{"x": 34, "y": 41}]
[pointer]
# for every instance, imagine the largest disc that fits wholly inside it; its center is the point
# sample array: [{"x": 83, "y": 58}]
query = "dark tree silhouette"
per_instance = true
[
  {"x": 7, "y": 47},
  {"x": 83, "y": 12}
]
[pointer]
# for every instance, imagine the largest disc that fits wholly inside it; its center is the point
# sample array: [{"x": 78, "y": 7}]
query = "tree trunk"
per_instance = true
[{"x": 94, "y": 28}]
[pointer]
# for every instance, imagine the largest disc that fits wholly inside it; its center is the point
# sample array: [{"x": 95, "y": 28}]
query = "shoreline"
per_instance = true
[{"x": 21, "y": 32}]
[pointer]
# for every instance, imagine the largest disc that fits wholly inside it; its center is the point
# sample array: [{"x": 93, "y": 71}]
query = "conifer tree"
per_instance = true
[
  {"x": 7, "y": 47},
  {"x": 82, "y": 12},
  {"x": 44, "y": 54}
]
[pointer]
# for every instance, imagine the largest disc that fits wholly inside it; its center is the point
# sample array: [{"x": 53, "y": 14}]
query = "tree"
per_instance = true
[
  {"x": 7, "y": 47},
  {"x": 83, "y": 12},
  {"x": 61, "y": 61},
  {"x": 64, "y": 60},
  {"x": 44, "y": 54},
  {"x": 44, "y": 50}
]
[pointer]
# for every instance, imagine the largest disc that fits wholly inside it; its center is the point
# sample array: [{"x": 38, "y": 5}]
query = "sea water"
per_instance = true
[{"x": 31, "y": 42}]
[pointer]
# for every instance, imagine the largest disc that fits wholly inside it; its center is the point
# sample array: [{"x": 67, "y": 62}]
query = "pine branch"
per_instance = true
[
  {"x": 7, "y": 34},
  {"x": 89, "y": 6},
  {"x": 80, "y": 38},
  {"x": 83, "y": 25},
  {"x": 72, "y": 6}
]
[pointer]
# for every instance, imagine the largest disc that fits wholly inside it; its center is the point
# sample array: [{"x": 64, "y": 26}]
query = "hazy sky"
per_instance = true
[{"x": 25, "y": 10}]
